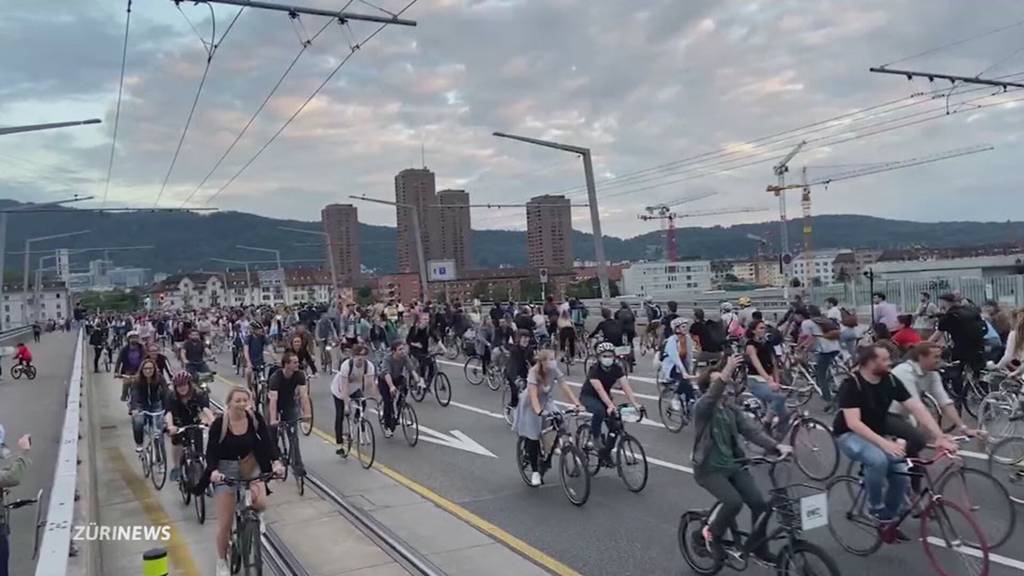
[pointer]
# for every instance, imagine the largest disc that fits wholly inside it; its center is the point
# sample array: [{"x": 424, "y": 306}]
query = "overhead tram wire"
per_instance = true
[
  {"x": 117, "y": 108},
  {"x": 211, "y": 50},
  {"x": 305, "y": 45},
  {"x": 956, "y": 43},
  {"x": 327, "y": 80}
]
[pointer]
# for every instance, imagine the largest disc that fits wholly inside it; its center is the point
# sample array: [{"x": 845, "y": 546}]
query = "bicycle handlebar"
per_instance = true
[
  {"x": 264, "y": 477},
  {"x": 771, "y": 460}
]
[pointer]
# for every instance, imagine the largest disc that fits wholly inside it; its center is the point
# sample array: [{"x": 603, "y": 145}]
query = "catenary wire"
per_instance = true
[
  {"x": 309, "y": 99},
  {"x": 117, "y": 107}
]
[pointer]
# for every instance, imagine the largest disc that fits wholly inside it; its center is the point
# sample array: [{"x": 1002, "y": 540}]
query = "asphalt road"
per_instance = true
[
  {"x": 616, "y": 532},
  {"x": 36, "y": 407}
]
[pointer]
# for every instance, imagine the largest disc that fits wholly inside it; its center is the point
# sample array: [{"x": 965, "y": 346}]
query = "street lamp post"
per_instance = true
[
  {"x": 277, "y": 256},
  {"x": 330, "y": 252},
  {"x": 25, "y": 270},
  {"x": 248, "y": 278},
  {"x": 595, "y": 216},
  {"x": 420, "y": 255}
]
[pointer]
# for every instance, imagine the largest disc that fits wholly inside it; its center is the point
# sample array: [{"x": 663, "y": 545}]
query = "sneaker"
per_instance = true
[
  {"x": 175, "y": 474},
  {"x": 535, "y": 479},
  {"x": 388, "y": 432},
  {"x": 138, "y": 449},
  {"x": 676, "y": 405},
  {"x": 222, "y": 567},
  {"x": 340, "y": 451}
]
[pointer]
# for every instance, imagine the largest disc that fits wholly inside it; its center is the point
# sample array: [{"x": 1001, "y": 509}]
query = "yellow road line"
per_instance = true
[
  {"x": 533, "y": 554},
  {"x": 178, "y": 551}
]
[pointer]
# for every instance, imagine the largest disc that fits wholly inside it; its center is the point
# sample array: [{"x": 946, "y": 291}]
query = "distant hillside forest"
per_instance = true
[{"x": 184, "y": 242}]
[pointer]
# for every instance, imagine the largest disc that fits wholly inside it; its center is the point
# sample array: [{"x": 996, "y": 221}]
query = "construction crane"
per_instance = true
[
  {"x": 662, "y": 212},
  {"x": 805, "y": 185}
]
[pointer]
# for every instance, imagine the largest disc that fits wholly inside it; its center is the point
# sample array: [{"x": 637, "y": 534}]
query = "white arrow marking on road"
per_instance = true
[{"x": 456, "y": 439}]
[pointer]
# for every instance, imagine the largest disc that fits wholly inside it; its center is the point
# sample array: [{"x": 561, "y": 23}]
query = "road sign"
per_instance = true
[
  {"x": 543, "y": 275},
  {"x": 440, "y": 270}
]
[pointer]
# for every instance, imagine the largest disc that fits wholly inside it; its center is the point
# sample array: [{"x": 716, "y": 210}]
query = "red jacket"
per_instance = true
[{"x": 905, "y": 338}]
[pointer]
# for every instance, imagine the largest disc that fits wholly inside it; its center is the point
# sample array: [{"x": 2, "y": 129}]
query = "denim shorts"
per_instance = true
[{"x": 230, "y": 469}]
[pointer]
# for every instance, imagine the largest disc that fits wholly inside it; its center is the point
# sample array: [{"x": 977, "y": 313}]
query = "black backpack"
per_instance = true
[{"x": 716, "y": 333}]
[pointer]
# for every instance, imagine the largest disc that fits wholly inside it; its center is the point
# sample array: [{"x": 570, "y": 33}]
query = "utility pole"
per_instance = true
[
  {"x": 420, "y": 253},
  {"x": 932, "y": 76},
  {"x": 330, "y": 252},
  {"x": 780, "y": 170},
  {"x": 595, "y": 215}
]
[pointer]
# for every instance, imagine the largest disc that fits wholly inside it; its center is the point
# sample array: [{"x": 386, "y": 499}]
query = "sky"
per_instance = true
[{"x": 675, "y": 100}]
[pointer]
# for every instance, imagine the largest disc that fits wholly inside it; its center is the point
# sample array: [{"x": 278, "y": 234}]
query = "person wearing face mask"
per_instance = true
[
  {"x": 356, "y": 375},
  {"x": 718, "y": 424},
  {"x": 536, "y": 399},
  {"x": 675, "y": 366},
  {"x": 596, "y": 395}
]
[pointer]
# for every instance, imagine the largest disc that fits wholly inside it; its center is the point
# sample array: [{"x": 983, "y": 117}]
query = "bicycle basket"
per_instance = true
[{"x": 800, "y": 506}]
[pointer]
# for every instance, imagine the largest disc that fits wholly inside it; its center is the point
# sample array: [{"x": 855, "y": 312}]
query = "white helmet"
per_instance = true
[
  {"x": 726, "y": 307},
  {"x": 678, "y": 322}
]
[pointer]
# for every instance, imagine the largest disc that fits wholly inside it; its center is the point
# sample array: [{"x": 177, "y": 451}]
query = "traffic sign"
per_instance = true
[{"x": 543, "y": 275}]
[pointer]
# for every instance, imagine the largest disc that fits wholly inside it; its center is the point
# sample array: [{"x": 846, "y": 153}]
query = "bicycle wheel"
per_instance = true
[
  {"x": 366, "y": 448},
  {"x": 144, "y": 457},
  {"x": 158, "y": 465},
  {"x": 803, "y": 557},
  {"x": 985, "y": 498},
  {"x": 587, "y": 447},
  {"x": 814, "y": 449},
  {"x": 670, "y": 409},
  {"x": 1006, "y": 463},
  {"x": 184, "y": 481},
  {"x": 30, "y": 371},
  {"x": 996, "y": 417},
  {"x": 800, "y": 392},
  {"x": 572, "y": 466},
  {"x": 691, "y": 543},
  {"x": 16, "y": 371},
  {"x": 631, "y": 462},
  {"x": 474, "y": 370},
  {"x": 252, "y": 558},
  {"x": 306, "y": 424},
  {"x": 506, "y": 410},
  {"x": 946, "y": 530},
  {"x": 496, "y": 379},
  {"x": 451, "y": 351},
  {"x": 442, "y": 389},
  {"x": 410, "y": 424},
  {"x": 418, "y": 391},
  {"x": 282, "y": 446},
  {"x": 199, "y": 505},
  {"x": 847, "y": 517},
  {"x": 522, "y": 461},
  {"x": 974, "y": 392}
]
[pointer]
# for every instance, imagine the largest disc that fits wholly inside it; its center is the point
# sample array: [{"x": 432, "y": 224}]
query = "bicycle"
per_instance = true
[
  {"x": 326, "y": 359},
  {"x": 436, "y": 380},
  {"x": 245, "y": 550},
  {"x": 360, "y": 439},
  {"x": 262, "y": 393},
  {"x": 627, "y": 455},
  {"x": 572, "y": 464},
  {"x": 673, "y": 411},
  {"x": 153, "y": 456},
  {"x": 452, "y": 345},
  {"x": 290, "y": 451},
  {"x": 789, "y": 528},
  {"x": 1001, "y": 412},
  {"x": 970, "y": 396},
  {"x": 27, "y": 370},
  {"x": 954, "y": 528},
  {"x": 815, "y": 451},
  {"x": 1006, "y": 464},
  {"x": 5, "y": 515},
  {"x": 406, "y": 415},
  {"x": 476, "y": 375},
  {"x": 192, "y": 466},
  {"x": 507, "y": 410}
]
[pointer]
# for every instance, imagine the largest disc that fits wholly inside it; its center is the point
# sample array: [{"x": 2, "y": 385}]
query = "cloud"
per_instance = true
[{"x": 642, "y": 84}]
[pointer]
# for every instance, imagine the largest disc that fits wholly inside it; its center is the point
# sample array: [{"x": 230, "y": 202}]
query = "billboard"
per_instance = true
[{"x": 440, "y": 270}]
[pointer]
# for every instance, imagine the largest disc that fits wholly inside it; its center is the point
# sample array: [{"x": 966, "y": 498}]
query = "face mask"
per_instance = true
[{"x": 607, "y": 362}]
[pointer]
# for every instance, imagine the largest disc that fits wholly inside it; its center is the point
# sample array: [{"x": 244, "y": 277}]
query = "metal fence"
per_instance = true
[{"x": 905, "y": 293}]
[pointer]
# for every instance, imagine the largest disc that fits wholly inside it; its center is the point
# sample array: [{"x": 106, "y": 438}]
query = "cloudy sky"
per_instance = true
[{"x": 674, "y": 98}]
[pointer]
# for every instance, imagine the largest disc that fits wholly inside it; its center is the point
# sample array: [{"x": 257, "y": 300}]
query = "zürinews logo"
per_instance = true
[{"x": 94, "y": 532}]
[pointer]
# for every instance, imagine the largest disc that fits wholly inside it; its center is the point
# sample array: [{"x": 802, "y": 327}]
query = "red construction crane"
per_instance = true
[{"x": 663, "y": 213}]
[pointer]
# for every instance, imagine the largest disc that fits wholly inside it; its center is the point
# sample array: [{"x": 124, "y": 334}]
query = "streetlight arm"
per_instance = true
[
  {"x": 545, "y": 143},
  {"x": 379, "y": 201},
  {"x": 55, "y": 236},
  {"x": 302, "y": 231},
  {"x": 50, "y": 126}
]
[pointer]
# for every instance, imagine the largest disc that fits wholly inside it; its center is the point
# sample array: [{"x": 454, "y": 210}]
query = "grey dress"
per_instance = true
[{"x": 528, "y": 423}]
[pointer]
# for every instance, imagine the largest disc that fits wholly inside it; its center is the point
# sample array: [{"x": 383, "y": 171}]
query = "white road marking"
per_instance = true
[
  {"x": 1005, "y": 561},
  {"x": 456, "y": 439}
]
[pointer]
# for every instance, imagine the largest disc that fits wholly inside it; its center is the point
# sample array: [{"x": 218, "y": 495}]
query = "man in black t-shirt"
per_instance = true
[
  {"x": 709, "y": 335},
  {"x": 596, "y": 395},
  {"x": 193, "y": 353},
  {"x": 285, "y": 387},
  {"x": 861, "y": 430},
  {"x": 964, "y": 325}
]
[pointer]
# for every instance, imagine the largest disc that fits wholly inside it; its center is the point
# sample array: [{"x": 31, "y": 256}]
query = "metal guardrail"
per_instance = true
[
  {"x": 53, "y": 553},
  {"x": 15, "y": 332}
]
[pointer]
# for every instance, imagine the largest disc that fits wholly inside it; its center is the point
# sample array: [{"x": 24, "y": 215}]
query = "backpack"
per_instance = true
[
  {"x": 827, "y": 326},
  {"x": 653, "y": 312},
  {"x": 991, "y": 337},
  {"x": 735, "y": 328},
  {"x": 847, "y": 318}
]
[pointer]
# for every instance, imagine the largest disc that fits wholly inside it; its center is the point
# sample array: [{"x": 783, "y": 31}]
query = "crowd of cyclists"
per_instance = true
[{"x": 895, "y": 385}]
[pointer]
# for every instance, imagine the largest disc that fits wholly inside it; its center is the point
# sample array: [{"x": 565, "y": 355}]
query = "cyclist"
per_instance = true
[
  {"x": 596, "y": 395},
  {"x": 418, "y": 340},
  {"x": 861, "y": 427},
  {"x": 730, "y": 320},
  {"x": 709, "y": 337},
  {"x": 285, "y": 386},
  {"x": 579, "y": 314},
  {"x": 297, "y": 347},
  {"x": 22, "y": 355},
  {"x": 163, "y": 365},
  {"x": 193, "y": 353},
  {"x": 566, "y": 335},
  {"x": 719, "y": 423},
  {"x": 129, "y": 359},
  {"x": 184, "y": 406},
  {"x": 675, "y": 366},
  {"x": 326, "y": 332},
  {"x": 761, "y": 377},
  {"x": 653, "y": 314},
  {"x": 905, "y": 337},
  {"x": 12, "y": 470},
  {"x": 535, "y": 401},
  {"x": 746, "y": 313},
  {"x": 98, "y": 341},
  {"x": 239, "y": 447},
  {"x": 627, "y": 320},
  {"x": 609, "y": 328},
  {"x": 540, "y": 329},
  {"x": 254, "y": 347},
  {"x": 482, "y": 344},
  {"x": 966, "y": 327},
  {"x": 1014, "y": 353},
  {"x": 396, "y": 369},
  {"x": 148, "y": 393},
  {"x": 354, "y": 377},
  {"x": 820, "y": 336},
  {"x": 520, "y": 358}
]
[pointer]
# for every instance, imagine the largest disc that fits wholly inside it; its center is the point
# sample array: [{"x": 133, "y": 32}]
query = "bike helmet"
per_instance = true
[
  {"x": 744, "y": 301},
  {"x": 604, "y": 347},
  {"x": 182, "y": 377},
  {"x": 726, "y": 307},
  {"x": 676, "y": 323},
  {"x": 524, "y": 334},
  {"x": 255, "y": 326}
]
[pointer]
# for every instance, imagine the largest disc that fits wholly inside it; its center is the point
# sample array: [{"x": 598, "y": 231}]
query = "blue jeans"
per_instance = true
[
  {"x": 5, "y": 553},
  {"x": 776, "y": 401},
  {"x": 825, "y": 360},
  {"x": 139, "y": 423},
  {"x": 599, "y": 414},
  {"x": 878, "y": 467},
  {"x": 683, "y": 387}
]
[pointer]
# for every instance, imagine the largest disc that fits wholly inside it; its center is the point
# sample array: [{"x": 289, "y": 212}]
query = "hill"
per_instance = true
[{"x": 185, "y": 242}]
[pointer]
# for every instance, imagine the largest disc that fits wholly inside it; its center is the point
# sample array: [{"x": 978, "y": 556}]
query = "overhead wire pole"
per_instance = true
[
  {"x": 330, "y": 251},
  {"x": 595, "y": 216},
  {"x": 393, "y": 19},
  {"x": 420, "y": 253},
  {"x": 932, "y": 76}
]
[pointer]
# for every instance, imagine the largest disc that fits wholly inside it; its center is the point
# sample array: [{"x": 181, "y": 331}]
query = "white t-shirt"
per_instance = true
[
  {"x": 834, "y": 313},
  {"x": 342, "y": 386}
]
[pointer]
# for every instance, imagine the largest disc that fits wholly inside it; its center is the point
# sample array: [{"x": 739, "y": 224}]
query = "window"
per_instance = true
[{"x": 7, "y": 307}]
